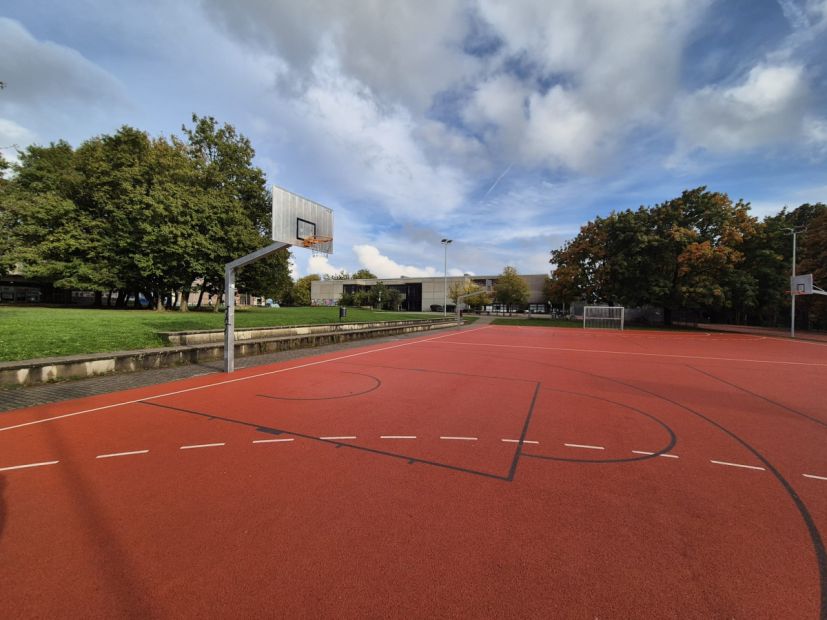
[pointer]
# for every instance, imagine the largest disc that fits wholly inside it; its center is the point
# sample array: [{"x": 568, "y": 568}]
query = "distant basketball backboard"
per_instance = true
[
  {"x": 302, "y": 222},
  {"x": 802, "y": 285}
]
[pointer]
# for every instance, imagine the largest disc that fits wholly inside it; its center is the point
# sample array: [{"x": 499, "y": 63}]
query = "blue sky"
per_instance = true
[{"x": 502, "y": 125}]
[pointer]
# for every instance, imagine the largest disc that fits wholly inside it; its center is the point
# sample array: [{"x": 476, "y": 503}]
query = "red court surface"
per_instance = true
[{"x": 492, "y": 472}]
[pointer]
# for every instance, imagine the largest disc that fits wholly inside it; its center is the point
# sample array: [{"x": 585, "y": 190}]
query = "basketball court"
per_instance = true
[
  {"x": 483, "y": 472},
  {"x": 491, "y": 472}
]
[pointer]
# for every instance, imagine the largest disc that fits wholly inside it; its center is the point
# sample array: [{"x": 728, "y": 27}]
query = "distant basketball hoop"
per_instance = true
[{"x": 801, "y": 285}]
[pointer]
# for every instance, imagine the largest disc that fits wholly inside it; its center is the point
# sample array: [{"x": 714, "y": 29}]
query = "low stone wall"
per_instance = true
[
  {"x": 33, "y": 372},
  {"x": 258, "y": 333}
]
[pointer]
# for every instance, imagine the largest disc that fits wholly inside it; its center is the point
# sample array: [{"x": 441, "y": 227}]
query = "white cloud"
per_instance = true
[
  {"x": 815, "y": 133},
  {"x": 765, "y": 108},
  {"x": 609, "y": 68},
  {"x": 321, "y": 264},
  {"x": 45, "y": 73},
  {"x": 370, "y": 258},
  {"x": 372, "y": 149},
  {"x": 405, "y": 51},
  {"x": 12, "y": 137}
]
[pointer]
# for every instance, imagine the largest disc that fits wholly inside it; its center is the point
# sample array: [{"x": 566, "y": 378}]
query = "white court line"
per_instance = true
[
  {"x": 690, "y": 357},
  {"x": 270, "y": 440},
  {"x": 211, "y": 385},
  {"x": 814, "y": 477},
  {"x": 580, "y": 445},
  {"x": 668, "y": 456},
  {"x": 29, "y": 465},
  {"x": 343, "y": 437},
  {"x": 109, "y": 456},
  {"x": 397, "y": 436},
  {"x": 461, "y": 438},
  {"x": 518, "y": 441},
  {"x": 203, "y": 445},
  {"x": 737, "y": 465}
]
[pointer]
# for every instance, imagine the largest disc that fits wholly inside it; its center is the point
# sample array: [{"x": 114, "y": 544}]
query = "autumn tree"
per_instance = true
[
  {"x": 683, "y": 253},
  {"x": 511, "y": 290},
  {"x": 477, "y": 296}
]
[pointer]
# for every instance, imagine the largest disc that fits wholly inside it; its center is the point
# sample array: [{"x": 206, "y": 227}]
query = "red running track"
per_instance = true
[{"x": 496, "y": 472}]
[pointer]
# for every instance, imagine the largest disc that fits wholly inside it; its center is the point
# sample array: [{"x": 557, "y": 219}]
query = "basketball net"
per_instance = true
[{"x": 317, "y": 243}]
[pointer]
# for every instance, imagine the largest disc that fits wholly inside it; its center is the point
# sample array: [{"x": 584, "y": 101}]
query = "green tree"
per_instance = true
[
  {"x": 393, "y": 300},
  {"x": 683, "y": 253},
  {"x": 814, "y": 260},
  {"x": 378, "y": 295},
  {"x": 342, "y": 275},
  {"x": 238, "y": 206},
  {"x": 511, "y": 289},
  {"x": 363, "y": 274},
  {"x": 301, "y": 290},
  {"x": 143, "y": 197},
  {"x": 477, "y": 296},
  {"x": 268, "y": 277}
]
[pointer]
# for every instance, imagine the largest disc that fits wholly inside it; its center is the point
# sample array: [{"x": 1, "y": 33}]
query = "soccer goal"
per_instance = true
[{"x": 603, "y": 317}]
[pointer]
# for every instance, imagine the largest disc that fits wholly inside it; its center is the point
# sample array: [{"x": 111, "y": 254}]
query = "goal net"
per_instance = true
[{"x": 603, "y": 317}]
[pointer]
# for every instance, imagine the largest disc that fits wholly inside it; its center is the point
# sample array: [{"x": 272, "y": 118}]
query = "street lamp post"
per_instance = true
[
  {"x": 794, "y": 231},
  {"x": 445, "y": 243}
]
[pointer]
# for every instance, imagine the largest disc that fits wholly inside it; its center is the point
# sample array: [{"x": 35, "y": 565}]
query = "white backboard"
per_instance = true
[
  {"x": 297, "y": 221},
  {"x": 802, "y": 285}
]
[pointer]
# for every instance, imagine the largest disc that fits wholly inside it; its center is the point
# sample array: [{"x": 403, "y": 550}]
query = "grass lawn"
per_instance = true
[{"x": 28, "y": 332}]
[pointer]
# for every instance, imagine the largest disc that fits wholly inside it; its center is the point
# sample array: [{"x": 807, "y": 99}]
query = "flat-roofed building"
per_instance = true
[{"x": 419, "y": 294}]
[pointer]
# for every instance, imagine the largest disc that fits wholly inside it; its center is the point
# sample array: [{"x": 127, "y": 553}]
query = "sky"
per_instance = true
[{"x": 503, "y": 126}]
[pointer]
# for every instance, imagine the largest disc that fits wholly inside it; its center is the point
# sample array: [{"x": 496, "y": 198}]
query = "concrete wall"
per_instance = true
[{"x": 32, "y": 372}]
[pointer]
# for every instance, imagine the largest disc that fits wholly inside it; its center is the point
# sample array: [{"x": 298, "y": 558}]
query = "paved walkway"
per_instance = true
[
  {"x": 765, "y": 331},
  {"x": 19, "y": 397}
]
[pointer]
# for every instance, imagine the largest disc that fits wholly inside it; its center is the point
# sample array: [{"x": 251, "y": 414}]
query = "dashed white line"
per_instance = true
[
  {"x": 737, "y": 465},
  {"x": 580, "y": 445},
  {"x": 114, "y": 454},
  {"x": 518, "y": 441},
  {"x": 29, "y": 465},
  {"x": 203, "y": 445},
  {"x": 397, "y": 436},
  {"x": 461, "y": 438},
  {"x": 335, "y": 438},
  {"x": 668, "y": 456},
  {"x": 229, "y": 381},
  {"x": 814, "y": 477},
  {"x": 270, "y": 440}
]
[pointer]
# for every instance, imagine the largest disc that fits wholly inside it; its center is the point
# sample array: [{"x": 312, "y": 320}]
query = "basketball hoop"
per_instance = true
[{"x": 318, "y": 244}]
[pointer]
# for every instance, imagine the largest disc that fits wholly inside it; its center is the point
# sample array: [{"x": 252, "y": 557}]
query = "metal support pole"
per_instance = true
[
  {"x": 445, "y": 284},
  {"x": 229, "y": 318},
  {"x": 445, "y": 243},
  {"x": 229, "y": 297},
  {"x": 792, "y": 294}
]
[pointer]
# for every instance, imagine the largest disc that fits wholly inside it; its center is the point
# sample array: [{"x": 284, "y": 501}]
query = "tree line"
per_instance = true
[
  {"x": 129, "y": 214},
  {"x": 700, "y": 254}
]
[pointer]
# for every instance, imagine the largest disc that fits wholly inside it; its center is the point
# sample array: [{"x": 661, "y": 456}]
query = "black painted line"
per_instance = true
[
  {"x": 338, "y": 444},
  {"x": 513, "y": 470},
  {"x": 812, "y": 529},
  {"x": 631, "y": 459},
  {"x": 764, "y": 398},
  {"x": 375, "y": 387},
  {"x": 439, "y": 372}
]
